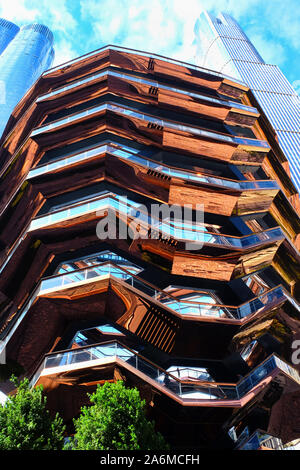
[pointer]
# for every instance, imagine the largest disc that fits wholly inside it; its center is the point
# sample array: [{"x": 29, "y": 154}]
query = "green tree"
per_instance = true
[
  {"x": 25, "y": 423},
  {"x": 116, "y": 420}
]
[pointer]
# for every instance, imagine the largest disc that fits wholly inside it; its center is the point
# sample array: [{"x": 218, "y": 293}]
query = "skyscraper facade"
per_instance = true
[
  {"x": 26, "y": 53},
  {"x": 197, "y": 313},
  {"x": 223, "y": 46},
  {"x": 8, "y": 30}
]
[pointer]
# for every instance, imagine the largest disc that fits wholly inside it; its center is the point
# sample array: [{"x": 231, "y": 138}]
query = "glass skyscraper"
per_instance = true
[
  {"x": 26, "y": 52},
  {"x": 223, "y": 46},
  {"x": 8, "y": 30}
]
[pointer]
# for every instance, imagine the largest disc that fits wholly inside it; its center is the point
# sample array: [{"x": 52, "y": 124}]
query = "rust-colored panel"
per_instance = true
[
  {"x": 240, "y": 119},
  {"x": 131, "y": 89},
  {"x": 164, "y": 68},
  {"x": 130, "y": 61},
  {"x": 169, "y": 98},
  {"x": 249, "y": 158},
  {"x": 283, "y": 217},
  {"x": 198, "y": 146},
  {"x": 230, "y": 90},
  {"x": 254, "y": 201},
  {"x": 207, "y": 268},
  {"x": 213, "y": 201},
  {"x": 255, "y": 260}
]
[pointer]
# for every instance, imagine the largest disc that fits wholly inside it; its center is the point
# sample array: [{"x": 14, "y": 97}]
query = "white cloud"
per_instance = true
[
  {"x": 162, "y": 26},
  {"x": 54, "y": 13},
  {"x": 63, "y": 52},
  {"x": 166, "y": 26},
  {"x": 17, "y": 11}
]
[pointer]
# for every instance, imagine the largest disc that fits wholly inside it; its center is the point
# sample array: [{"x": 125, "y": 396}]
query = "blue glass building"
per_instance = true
[
  {"x": 223, "y": 46},
  {"x": 25, "y": 54},
  {"x": 8, "y": 30}
]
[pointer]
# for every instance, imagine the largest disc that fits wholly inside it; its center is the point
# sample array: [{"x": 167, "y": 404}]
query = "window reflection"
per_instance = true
[{"x": 95, "y": 259}]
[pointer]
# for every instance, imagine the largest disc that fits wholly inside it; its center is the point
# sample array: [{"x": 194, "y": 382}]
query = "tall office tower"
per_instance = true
[
  {"x": 198, "y": 314},
  {"x": 8, "y": 30},
  {"x": 25, "y": 55},
  {"x": 223, "y": 46}
]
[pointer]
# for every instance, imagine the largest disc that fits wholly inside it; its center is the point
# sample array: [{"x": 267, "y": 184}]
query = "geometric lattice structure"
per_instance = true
[{"x": 198, "y": 314}]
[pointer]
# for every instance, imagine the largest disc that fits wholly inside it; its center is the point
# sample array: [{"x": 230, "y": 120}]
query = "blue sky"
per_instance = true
[{"x": 162, "y": 26}]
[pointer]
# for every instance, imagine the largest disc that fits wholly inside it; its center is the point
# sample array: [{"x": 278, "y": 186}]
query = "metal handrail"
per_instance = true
[
  {"x": 172, "y": 225},
  {"x": 167, "y": 294},
  {"x": 144, "y": 53},
  {"x": 112, "y": 106},
  {"x": 273, "y": 362},
  {"x": 31, "y": 298},
  {"x": 112, "y": 149},
  {"x": 91, "y": 79}
]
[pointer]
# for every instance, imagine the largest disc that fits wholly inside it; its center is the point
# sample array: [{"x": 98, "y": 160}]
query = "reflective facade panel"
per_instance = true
[
  {"x": 8, "y": 30},
  {"x": 26, "y": 56},
  {"x": 146, "y": 235},
  {"x": 223, "y": 46}
]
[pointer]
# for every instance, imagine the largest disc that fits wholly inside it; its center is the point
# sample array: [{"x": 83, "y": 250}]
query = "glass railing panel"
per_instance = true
[
  {"x": 252, "y": 444},
  {"x": 57, "y": 216},
  {"x": 169, "y": 382},
  {"x": 292, "y": 300},
  {"x": 107, "y": 350},
  {"x": 180, "y": 306},
  {"x": 62, "y": 162},
  {"x": 76, "y": 277},
  {"x": 259, "y": 439},
  {"x": 94, "y": 354},
  {"x": 145, "y": 117},
  {"x": 260, "y": 373},
  {"x": 273, "y": 443},
  {"x": 242, "y": 437},
  {"x": 85, "y": 274},
  {"x": 72, "y": 86},
  {"x": 185, "y": 389},
  {"x": 53, "y": 361},
  {"x": 274, "y": 294},
  {"x": 142, "y": 286},
  {"x": 37, "y": 375},
  {"x": 289, "y": 370},
  {"x": 260, "y": 302},
  {"x": 228, "y": 392},
  {"x": 249, "y": 308},
  {"x": 133, "y": 78},
  {"x": 81, "y": 356},
  {"x": 141, "y": 53},
  {"x": 191, "y": 176},
  {"x": 244, "y": 386},
  {"x": 68, "y": 120},
  {"x": 92, "y": 273},
  {"x": 93, "y": 206},
  {"x": 51, "y": 282},
  {"x": 192, "y": 392},
  {"x": 77, "y": 210},
  {"x": 146, "y": 368}
]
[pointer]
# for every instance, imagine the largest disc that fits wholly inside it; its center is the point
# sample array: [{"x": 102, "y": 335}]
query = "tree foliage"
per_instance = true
[
  {"x": 116, "y": 420},
  {"x": 25, "y": 423}
]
